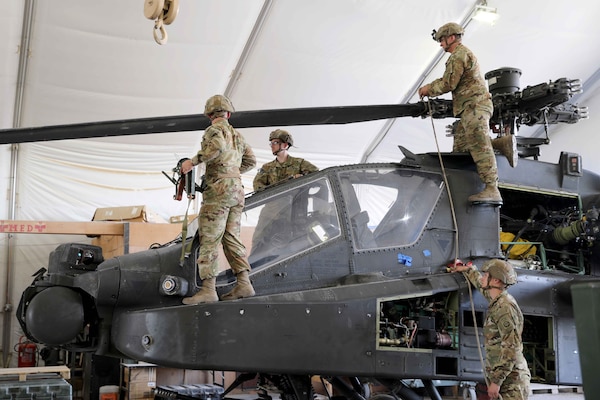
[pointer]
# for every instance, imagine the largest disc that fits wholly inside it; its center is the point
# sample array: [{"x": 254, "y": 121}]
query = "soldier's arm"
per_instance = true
[
  {"x": 306, "y": 167},
  {"x": 260, "y": 180},
  {"x": 451, "y": 78},
  {"x": 248, "y": 160},
  {"x": 473, "y": 275}
]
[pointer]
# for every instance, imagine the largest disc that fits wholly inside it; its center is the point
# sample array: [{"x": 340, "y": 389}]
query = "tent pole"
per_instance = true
[{"x": 7, "y": 309}]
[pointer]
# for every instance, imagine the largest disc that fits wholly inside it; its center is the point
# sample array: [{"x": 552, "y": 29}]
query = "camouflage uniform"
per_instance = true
[
  {"x": 473, "y": 105},
  {"x": 274, "y": 172},
  {"x": 505, "y": 364},
  {"x": 226, "y": 155}
]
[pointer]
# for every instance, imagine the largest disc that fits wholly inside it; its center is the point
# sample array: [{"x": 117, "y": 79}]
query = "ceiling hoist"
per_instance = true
[{"x": 163, "y": 12}]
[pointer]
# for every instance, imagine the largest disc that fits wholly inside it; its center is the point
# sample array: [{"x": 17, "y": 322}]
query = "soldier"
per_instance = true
[
  {"x": 284, "y": 166},
  {"x": 506, "y": 369},
  {"x": 473, "y": 105},
  {"x": 226, "y": 155}
]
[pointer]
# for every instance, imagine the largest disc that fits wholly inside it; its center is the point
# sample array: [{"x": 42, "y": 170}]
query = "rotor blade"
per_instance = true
[{"x": 240, "y": 119}]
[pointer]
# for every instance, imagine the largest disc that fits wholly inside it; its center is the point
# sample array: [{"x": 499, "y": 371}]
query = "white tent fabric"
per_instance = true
[{"x": 71, "y": 61}]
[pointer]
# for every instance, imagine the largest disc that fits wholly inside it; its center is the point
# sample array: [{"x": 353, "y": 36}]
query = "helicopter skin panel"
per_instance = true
[
  {"x": 402, "y": 328},
  {"x": 334, "y": 330}
]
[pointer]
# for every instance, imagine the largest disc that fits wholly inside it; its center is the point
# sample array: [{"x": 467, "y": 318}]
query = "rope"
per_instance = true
[
  {"x": 452, "y": 210},
  {"x": 456, "y": 248}
]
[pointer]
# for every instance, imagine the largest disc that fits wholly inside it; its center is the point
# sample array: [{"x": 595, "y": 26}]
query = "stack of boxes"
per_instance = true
[{"x": 139, "y": 381}]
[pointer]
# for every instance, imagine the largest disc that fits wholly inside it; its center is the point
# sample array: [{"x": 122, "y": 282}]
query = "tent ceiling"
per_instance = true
[{"x": 96, "y": 61}]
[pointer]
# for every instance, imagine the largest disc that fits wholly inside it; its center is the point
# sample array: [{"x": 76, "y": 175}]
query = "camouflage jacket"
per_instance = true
[
  {"x": 224, "y": 151},
  {"x": 274, "y": 172},
  {"x": 463, "y": 78},
  {"x": 226, "y": 155},
  {"x": 502, "y": 333}
]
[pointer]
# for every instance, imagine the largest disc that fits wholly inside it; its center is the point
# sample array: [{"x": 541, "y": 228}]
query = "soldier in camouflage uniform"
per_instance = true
[
  {"x": 284, "y": 166},
  {"x": 506, "y": 370},
  {"x": 226, "y": 155},
  {"x": 472, "y": 104}
]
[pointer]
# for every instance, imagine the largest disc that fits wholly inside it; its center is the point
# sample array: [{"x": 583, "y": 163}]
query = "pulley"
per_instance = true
[{"x": 164, "y": 13}]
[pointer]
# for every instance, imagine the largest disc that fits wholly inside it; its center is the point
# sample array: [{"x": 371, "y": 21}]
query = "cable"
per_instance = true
[
  {"x": 437, "y": 145},
  {"x": 456, "y": 248}
]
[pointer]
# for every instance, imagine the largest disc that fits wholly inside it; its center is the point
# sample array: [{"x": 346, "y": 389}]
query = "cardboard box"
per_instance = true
[
  {"x": 174, "y": 376},
  {"x": 140, "y": 390},
  {"x": 128, "y": 213},
  {"x": 138, "y": 236},
  {"x": 142, "y": 372}
]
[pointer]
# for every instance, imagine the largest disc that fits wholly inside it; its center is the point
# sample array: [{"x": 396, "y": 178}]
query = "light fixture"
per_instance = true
[{"x": 484, "y": 13}]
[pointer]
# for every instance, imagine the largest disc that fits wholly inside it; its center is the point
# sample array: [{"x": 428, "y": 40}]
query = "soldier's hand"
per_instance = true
[
  {"x": 493, "y": 391},
  {"x": 424, "y": 91},
  {"x": 459, "y": 266},
  {"x": 186, "y": 166}
]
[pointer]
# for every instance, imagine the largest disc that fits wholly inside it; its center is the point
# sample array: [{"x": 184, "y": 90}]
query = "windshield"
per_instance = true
[
  {"x": 388, "y": 207},
  {"x": 289, "y": 223}
]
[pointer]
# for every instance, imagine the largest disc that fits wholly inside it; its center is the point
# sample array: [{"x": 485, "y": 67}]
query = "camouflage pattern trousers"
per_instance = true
[
  {"x": 515, "y": 387},
  {"x": 219, "y": 223},
  {"x": 472, "y": 136}
]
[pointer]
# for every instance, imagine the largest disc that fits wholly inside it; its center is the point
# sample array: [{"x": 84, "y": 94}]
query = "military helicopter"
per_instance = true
[{"x": 346, "y": 289}]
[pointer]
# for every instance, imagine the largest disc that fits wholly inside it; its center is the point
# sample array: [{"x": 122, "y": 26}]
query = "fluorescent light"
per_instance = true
[{"x": 486, "y": 14}]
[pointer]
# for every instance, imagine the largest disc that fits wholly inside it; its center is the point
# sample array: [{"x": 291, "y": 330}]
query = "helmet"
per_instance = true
[
  {"x": 451, "y": 28},
  {"x": 501, "y": 270},
  {"x": 282, "y": 135},
  {"x": 217, "y": 103}
]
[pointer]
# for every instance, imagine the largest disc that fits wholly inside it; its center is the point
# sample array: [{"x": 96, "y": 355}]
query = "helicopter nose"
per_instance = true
[{"x": 55, "y": 315}]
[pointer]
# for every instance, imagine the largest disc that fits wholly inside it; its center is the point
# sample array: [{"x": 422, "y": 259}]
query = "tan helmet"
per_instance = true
[
  {"x": 218, "y": 103},
  {"x": 501, "y": 270},
  {"x": 282, "y": 135},
  {"x": 451, "y": 28}
]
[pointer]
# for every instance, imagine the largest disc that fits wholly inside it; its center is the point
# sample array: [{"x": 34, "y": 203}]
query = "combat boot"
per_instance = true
[
  {"x": 243, "y": 288},
  {"x": 206, "y": 294},
  {"x": 490, "y": 194},
  {"x": 507, "y": 146}
]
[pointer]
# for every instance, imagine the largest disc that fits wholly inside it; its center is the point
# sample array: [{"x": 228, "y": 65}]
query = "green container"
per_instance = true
[{"x": 586, "y": 306}]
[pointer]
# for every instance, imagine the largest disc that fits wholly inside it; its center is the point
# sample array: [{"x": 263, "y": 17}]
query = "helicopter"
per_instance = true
[{"x": 349, "y": 264}]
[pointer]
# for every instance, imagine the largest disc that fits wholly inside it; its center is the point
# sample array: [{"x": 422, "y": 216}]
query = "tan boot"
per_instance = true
[
  {"x": 490, "y": 194},
  {"x": 206, "y": 294},
  {"x": 243, "y": 288},
  {"x": 507, "y": 146}
]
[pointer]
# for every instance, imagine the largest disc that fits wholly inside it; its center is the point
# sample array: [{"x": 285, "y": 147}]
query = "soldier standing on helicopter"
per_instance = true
[
  {"x": 226, "y": 155},
  {"x": 506, "y": 370},
  {"x": 473, "y": 105}
]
